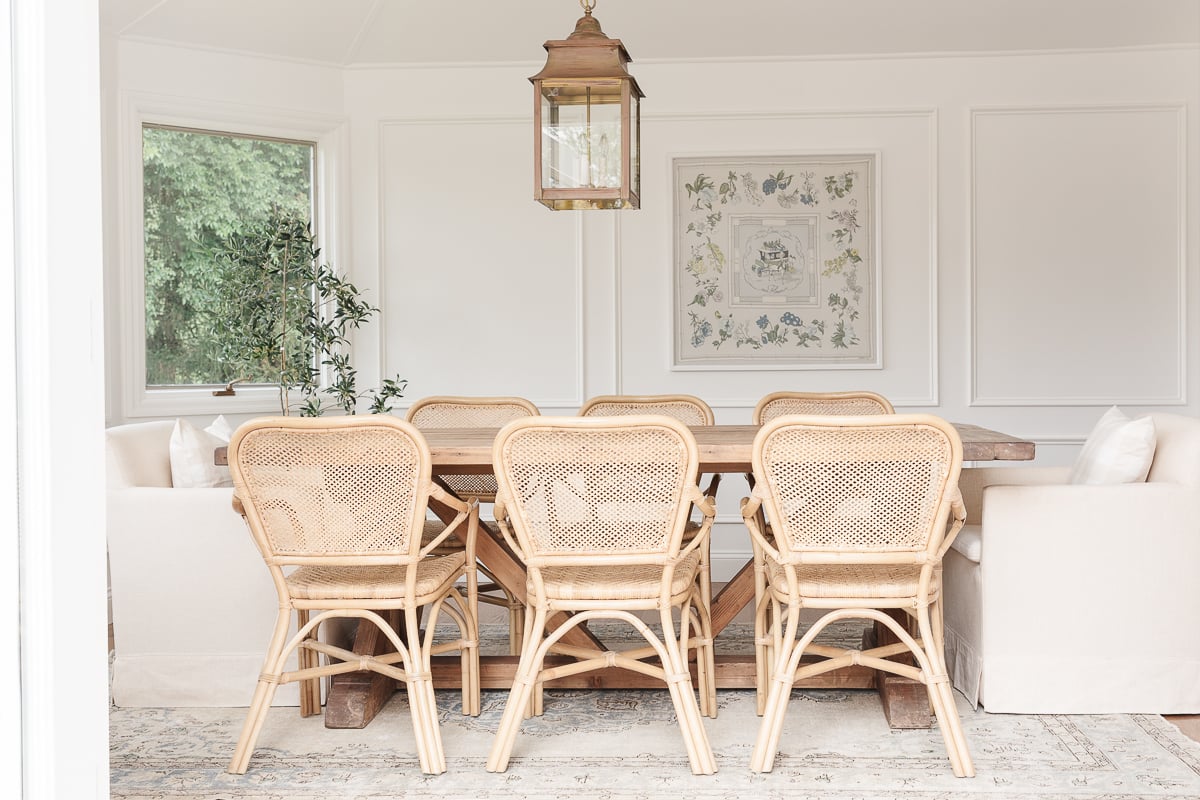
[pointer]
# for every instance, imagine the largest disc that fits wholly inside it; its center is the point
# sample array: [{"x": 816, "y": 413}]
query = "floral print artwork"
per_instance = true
[{"x": 775, "y": 261}]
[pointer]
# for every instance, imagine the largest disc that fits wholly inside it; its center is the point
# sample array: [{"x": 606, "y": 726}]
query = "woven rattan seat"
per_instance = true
[
  {"x": 475, "y": 412},
  {"x": 595, "y": 508},
  {"x": 344, "y": 501},
  {"x": 862, "y": 509},
  {"x": 376, "y": 583},
  {"x": 640, "y": 582},
  {"x": 846, "y": 580}
]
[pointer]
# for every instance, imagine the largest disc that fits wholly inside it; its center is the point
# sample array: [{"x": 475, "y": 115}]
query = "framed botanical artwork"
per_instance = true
[{"x": 776, "y": 262}]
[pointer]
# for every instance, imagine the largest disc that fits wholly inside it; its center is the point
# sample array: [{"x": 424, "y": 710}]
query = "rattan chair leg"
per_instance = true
[
  {"x": 264, "y": 692},
  {"x": 519, "y": 700},
  {"x": 762, "y": 650},
  {"x": 941, "y": 696},
  {"x": 422, "y": 703},
  {"x": 706, "y": 666},
  {"x": 310, "y": 689},
  {"x": 771, "y": 728},
  {"x": 516, "y": 625},
  {"x": 695, "y": 739},
  {"x": 471, "y": 678}
]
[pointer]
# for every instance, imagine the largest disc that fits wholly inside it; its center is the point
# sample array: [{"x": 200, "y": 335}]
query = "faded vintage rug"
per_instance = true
[{"x": 624, "y": 745}]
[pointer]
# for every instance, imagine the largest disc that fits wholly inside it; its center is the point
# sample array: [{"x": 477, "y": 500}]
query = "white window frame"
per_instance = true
[{"x": 330, "y": 166}]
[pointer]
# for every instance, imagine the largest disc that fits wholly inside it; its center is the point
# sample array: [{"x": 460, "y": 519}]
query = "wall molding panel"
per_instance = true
[
  {"x": 1109, "y": 286},
  {"x": 636, "y": 372},
  {"x": 444, "y": 294}
]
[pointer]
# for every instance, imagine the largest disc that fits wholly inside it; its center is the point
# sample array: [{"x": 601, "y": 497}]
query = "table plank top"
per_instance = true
[{"x": 723, "y": 448}]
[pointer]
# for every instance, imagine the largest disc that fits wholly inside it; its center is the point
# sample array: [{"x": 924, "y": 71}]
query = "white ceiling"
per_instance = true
[{"x": 377, "y": 32}]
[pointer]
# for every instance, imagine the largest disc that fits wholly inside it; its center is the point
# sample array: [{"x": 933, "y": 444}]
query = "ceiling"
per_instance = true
[{"x": 364, "y": 33}]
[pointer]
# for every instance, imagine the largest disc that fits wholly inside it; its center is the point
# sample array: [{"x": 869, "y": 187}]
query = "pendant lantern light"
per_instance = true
[{"x": 586, "y": 112}]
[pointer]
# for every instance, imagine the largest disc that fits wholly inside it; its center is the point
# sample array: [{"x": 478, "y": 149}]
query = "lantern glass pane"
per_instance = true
[
  {"x": 581, "y": 138},
  {"x": 635, "y": 145}
]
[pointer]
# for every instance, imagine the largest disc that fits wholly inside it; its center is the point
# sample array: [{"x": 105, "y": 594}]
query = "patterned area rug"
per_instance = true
[{"x": 624, "y": 745}]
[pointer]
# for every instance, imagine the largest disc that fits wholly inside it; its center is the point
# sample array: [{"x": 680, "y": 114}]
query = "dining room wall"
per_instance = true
[
  {"x": 1034, "y": 266},
  {"x": 1033, "y": 258},
  {"x": 1036, "y": 254}
]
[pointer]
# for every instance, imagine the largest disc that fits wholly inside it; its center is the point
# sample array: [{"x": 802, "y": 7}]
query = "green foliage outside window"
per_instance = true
[{"x": 199, "y": 189}]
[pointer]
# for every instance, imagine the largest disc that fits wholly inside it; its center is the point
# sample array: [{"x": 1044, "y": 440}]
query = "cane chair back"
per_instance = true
[
  {"x": 597, "y": 487},
  {"x": 344, "y": 500},
  {"x": 470, "y": 412},
  {"x": 861, "y": 510},
  {"x": 777, "y": 404},
  {"x": 319, "y": 491},
  {"x": 684, "y": 407},
  {"x": 596, "y": 509},
  {"x": 861, "y": 486}
]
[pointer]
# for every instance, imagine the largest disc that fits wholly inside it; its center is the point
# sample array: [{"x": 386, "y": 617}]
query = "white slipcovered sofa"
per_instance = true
[
  {"x": 1077, "y": 599},
  {"x": 192, "y": 604}
]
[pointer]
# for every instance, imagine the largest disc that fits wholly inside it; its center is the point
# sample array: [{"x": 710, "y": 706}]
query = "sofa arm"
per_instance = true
[
  {"x": 974, "y": 480},
  {"x": 1093, "y": 582},
  {"x": 186, "y": 574}
]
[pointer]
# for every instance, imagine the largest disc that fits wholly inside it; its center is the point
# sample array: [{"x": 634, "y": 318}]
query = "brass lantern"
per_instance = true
[{"x": 586, "y": 150}]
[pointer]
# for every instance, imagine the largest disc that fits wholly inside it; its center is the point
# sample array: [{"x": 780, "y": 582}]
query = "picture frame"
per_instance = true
[{"x": 776, "y": 261}]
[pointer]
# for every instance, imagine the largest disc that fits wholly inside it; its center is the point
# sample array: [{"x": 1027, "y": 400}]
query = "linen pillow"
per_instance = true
[
  {"x": 191, "y": 450},
  {"x": 1118, "y": 450}
]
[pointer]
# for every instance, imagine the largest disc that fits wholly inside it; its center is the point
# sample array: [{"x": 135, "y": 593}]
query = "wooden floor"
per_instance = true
[{"x": 1190, "y": 725}]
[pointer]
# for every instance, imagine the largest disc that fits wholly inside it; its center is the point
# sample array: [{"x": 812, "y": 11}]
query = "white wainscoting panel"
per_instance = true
[
  {"x": 482, "y": 286},
  {"x": 1078, "y": 273}
]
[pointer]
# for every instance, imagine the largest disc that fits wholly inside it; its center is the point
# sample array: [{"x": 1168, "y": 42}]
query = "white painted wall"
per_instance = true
[{"x": 1035, "y": 240}]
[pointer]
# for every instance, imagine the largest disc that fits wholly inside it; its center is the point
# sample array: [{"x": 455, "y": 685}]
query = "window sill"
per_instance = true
[{"x": 196, "y": 401}]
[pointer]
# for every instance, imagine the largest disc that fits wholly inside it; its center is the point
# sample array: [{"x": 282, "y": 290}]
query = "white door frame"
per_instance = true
[{"x": 52, "y": 252}]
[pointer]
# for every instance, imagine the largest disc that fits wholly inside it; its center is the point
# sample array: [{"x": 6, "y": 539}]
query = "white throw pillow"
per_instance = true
[
  {"x": 1118, "y": 450},
  {"x": 192, "y": 449}
]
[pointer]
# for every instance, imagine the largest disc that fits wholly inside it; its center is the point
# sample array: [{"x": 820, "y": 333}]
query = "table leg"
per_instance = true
[
  {"x": 733, "y": 597},
  {"x": 356, "y": 697},
  {"x": 905, "y": 701}
]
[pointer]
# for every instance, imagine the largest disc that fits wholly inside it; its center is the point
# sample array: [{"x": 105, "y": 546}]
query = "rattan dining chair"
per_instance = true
[
  {"x": 769, "y": 407},
  {"x": 862, "y": 509},
  {"x": 343, "y": 501},
  {"x": 777, "y": 404},
  {"x": 596, "y": 509},
  {"x": 688, "y": 409},
  {"x": 476, "y": 412}
]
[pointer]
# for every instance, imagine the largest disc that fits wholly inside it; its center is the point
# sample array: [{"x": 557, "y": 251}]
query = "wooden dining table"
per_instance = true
[{"x": 356, "y": 697}]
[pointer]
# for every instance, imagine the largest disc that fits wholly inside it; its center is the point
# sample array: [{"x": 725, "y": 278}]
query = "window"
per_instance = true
[
  {"x": 199, "y": 188},
  {"x": 192, "y": 172}
]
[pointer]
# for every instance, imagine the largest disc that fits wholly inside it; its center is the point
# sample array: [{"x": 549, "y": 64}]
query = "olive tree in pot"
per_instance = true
[{"x": 288, "y": 318}]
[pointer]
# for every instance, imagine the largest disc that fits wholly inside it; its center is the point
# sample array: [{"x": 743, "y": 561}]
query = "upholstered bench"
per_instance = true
[
  {"x": 1080, "y": 599},
  {"x": 192, "y": 605}
]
